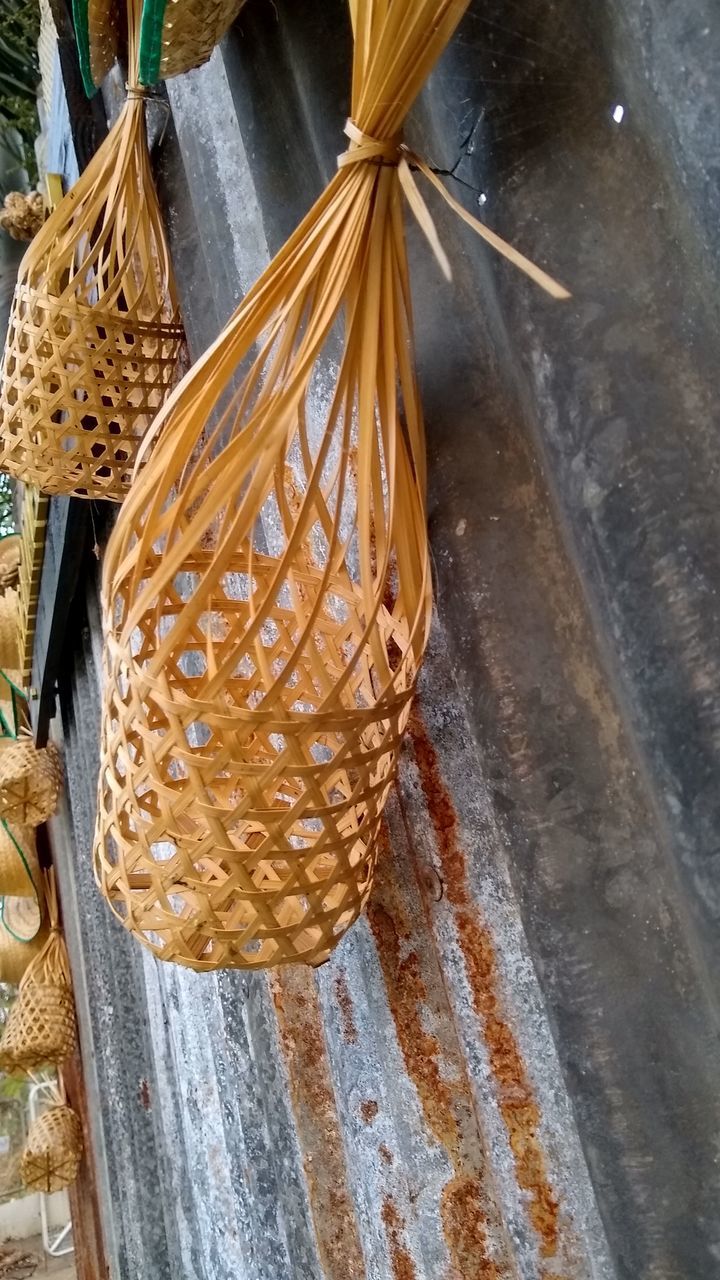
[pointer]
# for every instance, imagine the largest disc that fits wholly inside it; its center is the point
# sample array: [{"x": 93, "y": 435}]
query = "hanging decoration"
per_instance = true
[
  {"x": 40, "y": 1030},
  {"x": 94, "y": 337},
  {"x": 23, "y": 934},
  {"x": 30, "y": 780},
  {"x": 53, "y": 1151},
  {"x": 266, "y": 589},
  {"x": 19, "y": 866}
]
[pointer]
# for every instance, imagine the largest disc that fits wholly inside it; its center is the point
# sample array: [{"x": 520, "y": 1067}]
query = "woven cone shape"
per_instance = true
[
  {"x": 267, "y": 589},
  {"x": 180, "y": 36},
  {"x": 40, "y": 1030},
  {"x": 52, "y": 1155},
  {"x": 29, "y": 782},
  {"x": 94, "y": 336},
  {"x": 19, "y": 866},
  {"x": 97, "y": 29}
]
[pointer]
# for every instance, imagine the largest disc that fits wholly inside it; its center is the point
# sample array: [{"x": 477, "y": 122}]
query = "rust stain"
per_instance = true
[
  {"x": 385, "y": 1153},
  {"x": 302, "y": 1037},
  {"x": 519, "y": 1109},
  {"x": 438, "y": 1074},
  {"x": 144, "y": 1095},
  {"x": 344, "y": 999},
  {"x": 368, "y": 1110},
  {"x": 402, "y": 1263},
  {"x": 461, "y": 1208}
]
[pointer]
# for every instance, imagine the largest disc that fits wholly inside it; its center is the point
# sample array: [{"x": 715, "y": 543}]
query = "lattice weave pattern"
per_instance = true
[
  {"x": 40, "y": 1030},
  {"x": 29, "y": 782},
  {"x": 94, "y": 335},
  {"x": 186, "y": 37},
  {"x": 53, "y": 1152},
  {"x": 266, "y": 590}
]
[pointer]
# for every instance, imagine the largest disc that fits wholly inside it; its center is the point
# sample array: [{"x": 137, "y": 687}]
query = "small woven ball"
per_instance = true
[{"x": 53, "y": 1151}]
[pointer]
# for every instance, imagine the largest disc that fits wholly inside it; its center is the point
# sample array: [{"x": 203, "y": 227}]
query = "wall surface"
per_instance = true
[{"x": 507, "y": 1069}]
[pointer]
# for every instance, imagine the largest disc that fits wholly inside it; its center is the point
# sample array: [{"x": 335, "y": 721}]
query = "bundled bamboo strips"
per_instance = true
[
  {"x": 178, "y": 35},
  {"x": 266, "y": 589},
  {"x": 53, "y": 1151},
  {"x": 94, "y": 335},
  {"x": 40, "y": 1030}
]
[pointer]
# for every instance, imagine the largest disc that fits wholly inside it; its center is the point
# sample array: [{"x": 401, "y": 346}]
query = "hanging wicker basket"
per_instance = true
[
  {"x": 19, "y": 866},
  {"x": 10, "y": 555},
  {"x": 53, "y": 1152},
  {"x": 40, "y": 1030},
  {"x": 94, "y": 337},
  {"x": 23, "y": 934},
  {"x": 30, "y": 781},
  {"x": 178, "y": 36},
  {"x": 9, "y": 630}
]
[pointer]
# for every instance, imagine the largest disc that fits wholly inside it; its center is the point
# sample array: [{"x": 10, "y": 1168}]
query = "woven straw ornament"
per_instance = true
[
  {"x": 30, "y": 780},
  {"x": 180, "y": 35},
  {"x": 9, "y": 630},
  {"x": 19, "y": 866},
  {"x": 94, "y": 336},
  {"x": 40, "y": 1030},
  {"x": 10, "y": 555},
  {"x": 53, "y": 1151},
  {"x": 23, "y": 934}
]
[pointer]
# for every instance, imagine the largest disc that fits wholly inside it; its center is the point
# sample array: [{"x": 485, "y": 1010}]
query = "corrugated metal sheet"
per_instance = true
[{"x": 402, "y": 1113}]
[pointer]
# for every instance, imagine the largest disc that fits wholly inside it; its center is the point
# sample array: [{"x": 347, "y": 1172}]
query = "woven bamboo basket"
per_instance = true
[
  {"x": 53, "y": 1151},
  {"x": 178, "y": 35},
  {"x": 94, "y": 337},
  {"x": 41, "y": 1030},
  {"x": 10, "y": 554},
  {"x": 19, "y": 866},
  {"x": 98, "y": 26},
  {"x": 29, "y": 782},
  {"x": 23, "y": 934},
  {"x": 266, "y": 589},
  {"x": 9, "y": 635}
]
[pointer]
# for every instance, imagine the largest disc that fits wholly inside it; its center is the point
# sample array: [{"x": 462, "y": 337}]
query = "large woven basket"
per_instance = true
[
  {"x": 23, "y": 934},
  {"x": 29, "y": 782},
  {"x": 10, "y": 554},
  {"x": 94, "y": 336},
  {"x": 19, "y": 866},
  {"x": 9, "y": 630},
  {"x": 177, "y": 35},
  {"x": 40, "y": 1030},
  {"x": 53, "y": 1152}
]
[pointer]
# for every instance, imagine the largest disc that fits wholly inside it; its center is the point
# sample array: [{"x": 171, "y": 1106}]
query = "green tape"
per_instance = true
[
  {"x": 151, "y": 33},
  {"x": 82, "y": 36}
]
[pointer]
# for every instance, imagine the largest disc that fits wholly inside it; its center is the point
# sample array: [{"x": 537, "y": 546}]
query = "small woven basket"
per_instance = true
[
  {"x": 29, "y": 782},
  {"x": 53, "y": 1152},
  {"x": 94, "y": 337},
  {"x": 9, "y": 630},
  {"x": 19, "y": 866},
  {"x": 23, "y": 934},
  {"x": 177, "y": 36},
  {"x": 41, "y": 1030},
  {"x": 10, "y": 554}
]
